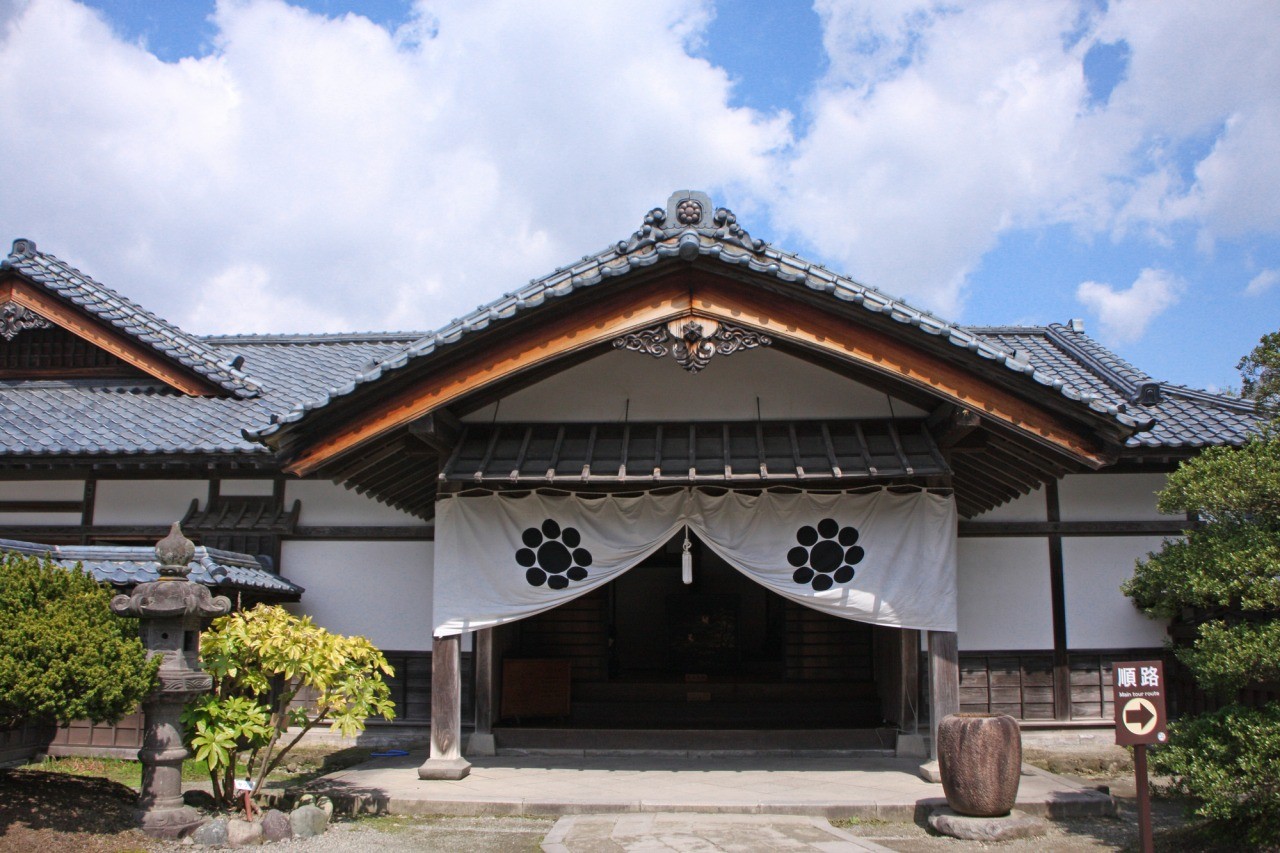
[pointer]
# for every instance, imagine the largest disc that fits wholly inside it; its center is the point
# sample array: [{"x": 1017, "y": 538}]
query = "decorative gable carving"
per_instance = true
[
  {"x": 692, "y": 341},
  {"x": 15, "y": 319}
]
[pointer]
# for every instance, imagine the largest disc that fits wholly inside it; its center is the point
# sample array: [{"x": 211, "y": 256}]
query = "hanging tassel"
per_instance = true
[{"x": 686, "y": 560}]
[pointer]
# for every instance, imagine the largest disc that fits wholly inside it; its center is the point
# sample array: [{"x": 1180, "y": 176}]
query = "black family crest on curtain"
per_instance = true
[
  {"x": 502, "y": 557},
  {"x": 552, "y": 555},
  {"x": 826, "y": 554}
]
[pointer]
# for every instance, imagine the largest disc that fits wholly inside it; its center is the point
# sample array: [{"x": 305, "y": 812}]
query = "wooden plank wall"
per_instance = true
[
  {"x": 81, "y": 737},
  {"x": 575, "y": 631},
  {"x": 824, "y": 648},
  {"x": 1017, "y": 684},
  {"x": 23, "y": 742},
  {"x": 1020, "y": 683}
]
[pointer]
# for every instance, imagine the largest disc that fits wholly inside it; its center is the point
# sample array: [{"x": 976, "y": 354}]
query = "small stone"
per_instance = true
[
  {"x": 211, "y": 834},
  {"x": 325, "y": 805},
  {"x": 276, "y": 826},
  {"x": 1016, "y": 824},
  {"x": 243, "y": 833},
  {"x": 308, "y": 821}
]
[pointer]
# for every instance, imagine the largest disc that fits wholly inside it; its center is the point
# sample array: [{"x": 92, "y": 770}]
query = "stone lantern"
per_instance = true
[{"x": 171, "y": 610}]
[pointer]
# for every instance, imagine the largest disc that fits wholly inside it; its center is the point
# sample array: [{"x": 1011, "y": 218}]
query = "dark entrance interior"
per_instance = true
[{"x": 648, "y": 651}]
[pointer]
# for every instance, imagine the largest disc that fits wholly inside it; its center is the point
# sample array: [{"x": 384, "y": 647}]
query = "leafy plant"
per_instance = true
[
  {"x": 1223, "y": 579},
  {"x": 1226, "y": 763},
  {"x": 273, "y": 671},
  {"x": 63, "y": 654}
]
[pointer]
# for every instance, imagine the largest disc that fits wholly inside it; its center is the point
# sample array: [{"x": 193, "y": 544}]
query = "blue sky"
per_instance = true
[{"x": 254, "y": 165}]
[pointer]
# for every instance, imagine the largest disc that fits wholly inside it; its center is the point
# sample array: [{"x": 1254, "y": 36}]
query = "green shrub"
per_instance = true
[
  {"x": 1223, "y": 579},
  {"x": 1226, "y": 762},
  {"x": 260, "y": 660},
  {"x": 63, "y": 654}
]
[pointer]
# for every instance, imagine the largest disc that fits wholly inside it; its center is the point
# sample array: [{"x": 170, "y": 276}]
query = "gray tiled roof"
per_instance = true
[
  {"x": 296, "y": 374},
  {"x": 94, "y": 417},
  {"x": 126, "y": 566},
  {"x": 134, "y": 321},
  {"x": 722, "y": 244},
  {"x": 1183, "y": 417}
]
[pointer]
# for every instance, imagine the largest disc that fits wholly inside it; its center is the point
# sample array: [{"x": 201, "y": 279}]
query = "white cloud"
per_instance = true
[
  {"x": 1125, "y": 314},
  {"x": 351, "y": 177},
  {"x": 1262, "y": 282},
  {"x": 382, "y": 180},
  {"x": 942, "y": 126}
]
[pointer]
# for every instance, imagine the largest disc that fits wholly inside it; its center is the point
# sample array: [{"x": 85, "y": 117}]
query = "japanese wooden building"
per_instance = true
[{"x": 689, "y": 370}]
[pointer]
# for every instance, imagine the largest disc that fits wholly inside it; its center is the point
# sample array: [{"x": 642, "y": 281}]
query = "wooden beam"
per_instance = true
[
  {"x": 42, "y": 506},
  {"x": 824, "y": 330},
  {"x": 958, "y": 426},
  {"x": 1058, "y": 599},
  {"x": 438, "y": 430},
  {"x": 106, "y": 338},
  {"x": 570, "y": 333},
  {"x": 1153, "y": 527}
]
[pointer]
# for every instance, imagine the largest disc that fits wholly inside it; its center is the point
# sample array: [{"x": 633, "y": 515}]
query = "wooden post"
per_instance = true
[
  {"x": 1145, "y": 837},
  {"x": 909, "y": 699},
  {"x": 944, "y": 681},
  {"x": 1058, "y": 599},
  {"x": 482, "y": 741},
  {"x": 445, "y": 760}
]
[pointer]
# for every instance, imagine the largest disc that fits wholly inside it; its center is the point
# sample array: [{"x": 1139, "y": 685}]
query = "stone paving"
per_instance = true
[
  {"x": 686, "y": 833},
  {"x": 820, "y": 785}
]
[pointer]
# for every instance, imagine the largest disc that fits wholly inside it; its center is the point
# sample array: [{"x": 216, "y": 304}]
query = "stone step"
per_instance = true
[{"x": 526, "y": 740}]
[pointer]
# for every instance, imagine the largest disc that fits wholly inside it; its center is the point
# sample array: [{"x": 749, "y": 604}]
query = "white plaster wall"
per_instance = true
[
  {"x": 251, "y": 488},
  {"x": 326, "y": 503},
  {"x": 659, "y": 389},
  {"x": 1099, "y": 616},
  {"x": 41, "y": 490},
  {"x": 29, "y": 518},
  {"x": 146, "y": 501},
  {"x": 1004, "y": 597},
  {"x": 379, "y": 590},
  {"x": 1030, "y": 507},
  {"x": 1110, "y": 497}
]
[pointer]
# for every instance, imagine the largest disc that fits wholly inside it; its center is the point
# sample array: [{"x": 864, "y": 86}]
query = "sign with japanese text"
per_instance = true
[{"x": 1139, "y": 701}]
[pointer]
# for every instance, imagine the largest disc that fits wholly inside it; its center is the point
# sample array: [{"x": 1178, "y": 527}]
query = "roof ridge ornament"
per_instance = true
[
  {"x": 689, "y": 211},
  {"x": 692, "y": 341}
]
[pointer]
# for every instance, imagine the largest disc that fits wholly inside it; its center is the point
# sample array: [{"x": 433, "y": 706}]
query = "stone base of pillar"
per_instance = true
[
  {"x": 911, "y": 746},
  {"x": 930, "y": 772},
  {"x": 449, "y": 769},
  {"x": 170, "y": 823},
  {"x": 481, "y": 744}
]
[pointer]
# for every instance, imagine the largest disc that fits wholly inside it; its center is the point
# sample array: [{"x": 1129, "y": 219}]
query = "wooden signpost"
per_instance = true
[{"x": 1140, "y": 720}]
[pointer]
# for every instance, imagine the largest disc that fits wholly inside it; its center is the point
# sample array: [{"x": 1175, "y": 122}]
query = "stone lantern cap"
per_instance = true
[
  {"x": 172, "y": 595},
  {"x": 175, "y": 553}
]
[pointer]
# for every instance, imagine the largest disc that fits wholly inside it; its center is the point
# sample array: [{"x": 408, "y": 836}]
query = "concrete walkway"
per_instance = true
[
  {"x": 817, "y": 785},
  {"x": 687, "y": 833}
]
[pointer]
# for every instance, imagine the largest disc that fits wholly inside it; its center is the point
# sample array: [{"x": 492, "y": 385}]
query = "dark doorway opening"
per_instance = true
[{"x": 648, "y": 651}]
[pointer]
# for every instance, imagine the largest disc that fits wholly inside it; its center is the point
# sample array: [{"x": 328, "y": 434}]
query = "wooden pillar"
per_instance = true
[
  {"x": 909, "y": 661},
  {"x": 445, "y": 760},
  {"x": 1058, "y": 599},
  {"x": 482, "y": 741},
  {"x": 944, "y": 681}
]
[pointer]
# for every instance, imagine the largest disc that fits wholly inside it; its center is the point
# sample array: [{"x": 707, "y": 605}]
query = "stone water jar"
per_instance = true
[{"x": 980, "y": 761}]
